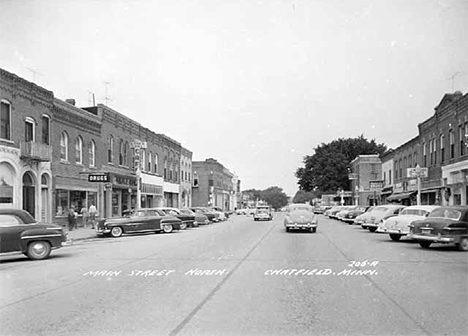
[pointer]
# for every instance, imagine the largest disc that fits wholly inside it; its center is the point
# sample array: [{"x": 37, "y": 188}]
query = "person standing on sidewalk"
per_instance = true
[
  {"x": 84, "y": 213},
  {"x": 92, "y": 214},
  {"x": 72, "y": 218}
]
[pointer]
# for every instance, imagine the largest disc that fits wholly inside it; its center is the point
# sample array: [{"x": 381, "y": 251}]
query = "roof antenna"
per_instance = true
[
  {"x": 106, "y": 98},
  {"x": 34, "y": 72},
  {"x": 453, "y": 79}
]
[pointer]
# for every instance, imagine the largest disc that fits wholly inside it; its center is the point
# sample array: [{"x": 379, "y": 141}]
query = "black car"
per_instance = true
[
  {"x": 211, "y": 216},
  {"x": 187, "y": 219},
  {"x": 19, "y": 232}
]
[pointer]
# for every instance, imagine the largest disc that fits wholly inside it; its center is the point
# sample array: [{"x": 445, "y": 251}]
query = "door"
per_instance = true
[{"x": 29, "y": 194}]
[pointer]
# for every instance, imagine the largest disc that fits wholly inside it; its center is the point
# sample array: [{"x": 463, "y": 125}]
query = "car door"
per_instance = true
[
  {"x": 11, "y": 228},
  {"x": 137, "y": 221},
  {"x": 153, "y": 220}
]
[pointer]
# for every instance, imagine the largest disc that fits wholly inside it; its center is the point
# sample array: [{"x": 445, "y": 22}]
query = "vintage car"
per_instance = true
[
  {"x": 218, "y": 209},
  {"x": 350, "y": 216},
  {"x": 344, "y": 211},
  {"x": 187, "y": 220},
  {"x": 446, "y": 224},
  {"x": 359, "y": 220},
  {"x": 220, "y": 213},
  {"x": 141, "y": 220},
  {"x": 398, "y": 226},
  {"x": 19, "y": 232},
  {"x": 380, "y": 214},
  {"x": 262, "y": 214},
  {"x": 333, "y": 211},
  {"x": 300, "y": 217},
  {"x": 209, "y": 214},
  {"x": 200, "y": 219}
]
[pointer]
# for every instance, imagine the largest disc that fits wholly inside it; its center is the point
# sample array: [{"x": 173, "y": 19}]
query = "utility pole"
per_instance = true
[{"x": 34, "y": 72}]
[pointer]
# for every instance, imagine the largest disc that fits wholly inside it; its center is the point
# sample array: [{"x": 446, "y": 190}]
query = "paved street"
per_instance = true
[{"x": 235, "y": 278}]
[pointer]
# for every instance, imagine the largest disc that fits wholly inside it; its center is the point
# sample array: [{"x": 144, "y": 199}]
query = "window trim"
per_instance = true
[
  {"x": 64, "y": 136},
  {"x": 92, "y": 154},
  {"x": 30, "y": 120},
  {"x": 45, "y": 116},
  {"x": 6, "y": 102},
  {"x": 79, "y": 149}
]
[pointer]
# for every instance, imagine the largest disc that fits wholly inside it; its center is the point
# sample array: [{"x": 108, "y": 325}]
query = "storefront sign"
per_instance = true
[
  {"x": 375, "y": 185},
  {"x": 98, "y": 177},
  {"x": 126, "y": 181}
]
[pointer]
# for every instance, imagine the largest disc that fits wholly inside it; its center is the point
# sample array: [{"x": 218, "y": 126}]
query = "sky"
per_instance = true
[{"x": 256, "y": 85}]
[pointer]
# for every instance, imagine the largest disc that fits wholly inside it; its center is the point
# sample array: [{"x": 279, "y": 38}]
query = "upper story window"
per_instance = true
[
  {"x": 143, "y": 159},
  {"x": 150, "y": 155},
  {"x": 5, "y": 120},
  {"x": 442, "y": 148},
  {"x": 461, "y": 135},
  {"x": 156, "y": 164},
  {"x": 110, "y": 149},
  {"x": 415, "y": 159},
  {"x": 92, "y": 153},
  {"x": 79, "y": 150},
  {"x": 64, "y": 146},
  {"x": 121, "y": 152},
  {"x": 125, "y": 155},
  {"x": 400, "y": 173},
  {"x": 424, "y": 155},
  {"x": 165, "y": 169},
  {"x": 431, "y": 155},
  {"x": 452, "y": 144},
  {"x": 29, "y": 129},
  {"x": 46, "y": 129},
  {"x": 170, "y": 173}
]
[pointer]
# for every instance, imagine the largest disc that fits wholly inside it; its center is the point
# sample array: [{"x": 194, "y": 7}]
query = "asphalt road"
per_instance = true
[{"x": 238, "y": 277}]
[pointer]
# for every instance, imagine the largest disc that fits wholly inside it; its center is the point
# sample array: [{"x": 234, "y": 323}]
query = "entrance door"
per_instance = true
[{"x": 29, "y": 194}]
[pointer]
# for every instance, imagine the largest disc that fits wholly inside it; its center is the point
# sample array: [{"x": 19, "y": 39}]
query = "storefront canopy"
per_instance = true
[{"x": 400, "y": 196}]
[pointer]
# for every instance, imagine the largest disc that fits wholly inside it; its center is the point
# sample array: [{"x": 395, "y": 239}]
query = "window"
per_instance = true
[
  {"x": 5, "y": 120},
  {"x": 156, "y": 163},
  {"x": 424, "y": 155},
  {"x": 165, "y": 169},
  {"x": 150, "y": 155},
  {"x": 461, "y": 135},
  {"x": 430, "y": 152},
  {"x": 415, "y": 158},
  {"x": 64, "y": 147},
  {"x": 182, "y": 176},
  {"x": 434, "y": 147},
  {"x": 79, "y": 150},
  {"x": 390, "y": 176},
  {"x": 186, "y": 176},
  {"x": 46, "y": 129},
  {"x": 92, "y": 153},
  {"x": 170, "y": 173},
  {"x": 29, "y": 129},
  {"x": 125, "y": 154},
  {"x": 110, "y": 149},
  {"x": 143, "y": 159},
  {"x": 442, "y": 150},
  {"x": 400, "y": 173},
  {"x": 452, "y": 144},
  {"x": 121, "y": 152}
]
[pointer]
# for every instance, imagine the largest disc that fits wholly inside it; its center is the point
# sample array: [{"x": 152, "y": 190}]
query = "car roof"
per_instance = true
[
  {"x": 24, "y": 215},
  {"x": 423, "y": 207}
]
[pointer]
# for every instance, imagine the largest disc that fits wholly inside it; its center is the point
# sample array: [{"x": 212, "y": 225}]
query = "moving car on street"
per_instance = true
[
  {"x": 19, "y": 232},
  {"x": 300, "y": 217},
  {"x": 446, "y": 225},
  {"x": 398, "y": 226},
  {"x": 380, "y": 214},
  {"x": 141, "y": 220},
  {"x": 262, "y": 214}
]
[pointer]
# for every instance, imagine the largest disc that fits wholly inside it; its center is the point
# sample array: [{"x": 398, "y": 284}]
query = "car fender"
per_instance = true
[{"x": 55, "y": 237}]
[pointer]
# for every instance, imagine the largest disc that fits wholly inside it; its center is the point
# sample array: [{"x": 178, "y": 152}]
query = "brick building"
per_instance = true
[
  {"x": 171, "y": 166},
  {"x": 185, "y": 192},
  {"x": 366, "y": 180},
  {"x": 25, "y": 146},
  {"x": 213, "y": 184}
]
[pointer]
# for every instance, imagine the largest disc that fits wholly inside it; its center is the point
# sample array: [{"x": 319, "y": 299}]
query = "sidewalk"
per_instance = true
[{"x": 81, "y": 233}]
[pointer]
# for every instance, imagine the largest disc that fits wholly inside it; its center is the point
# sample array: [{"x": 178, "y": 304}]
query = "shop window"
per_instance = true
[
  {"x": 64, "y": 146},
  {"x": 61, "y": 202},
  {"x": 46, "y": 129},
  {"x": 29, "y": 129},
  {"x": 5, "y": 120},
  {"x": 92, "y": 153}
]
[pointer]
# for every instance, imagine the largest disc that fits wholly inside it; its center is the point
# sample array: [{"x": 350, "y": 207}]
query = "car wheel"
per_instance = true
[
  {"x": 372, "y": 229},
  {"x": 425, "y": 244},
  {"x": 287, "y": 229},
  {"x": 116, "y": 231},
  {"x": 183, "y": 226},
  {"x": 167, "y": 228},
  {"x": 313, "y": 230},
  {"x": 38, "y": 250},
  {"x": 395, "y": 237},
  {"x": 463, "y": 245}
]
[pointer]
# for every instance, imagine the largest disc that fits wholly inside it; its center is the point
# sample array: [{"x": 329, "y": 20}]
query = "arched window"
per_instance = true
[
  {"x": 442, "y": 148},
  {"x": 121, "y": 152},
  {"x": 156, "y": 164},
  {"x": 79, "y": 150},
  {"x": 29, "y": 129},
  {"x": 110, "y": 149},
  {"x": 64, "y": 146},
  {"x": 92, "y": 153},
  {"x": 150, "y": 156},
  {"x": 143, "y": 159},
  {"x": 5, "y": 120},
  {"x": 46, "y": 129},
  {"x": 165, "y": 169},
  {"x": 126, "y": 154}
]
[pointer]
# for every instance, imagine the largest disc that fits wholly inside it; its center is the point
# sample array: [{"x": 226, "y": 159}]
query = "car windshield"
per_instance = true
[
  {"x": 445, "y": 213},
  {"x": 300, "y": 208},
  {"x": 380, "y": 209},
  {"x": 262, "y": 211},
  {"x": 415, "y": 212},
  {"x": 186, "y": 212},
  {"x": 159, "y": 212}
]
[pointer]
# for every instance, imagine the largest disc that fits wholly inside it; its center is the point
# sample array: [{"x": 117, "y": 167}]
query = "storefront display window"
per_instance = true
[
  {"x": 62, "y": 202},
  {"x": 77, "y": 198}
]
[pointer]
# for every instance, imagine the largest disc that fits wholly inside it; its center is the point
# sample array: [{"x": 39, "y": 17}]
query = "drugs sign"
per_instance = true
[
  {"x": 98, "y": 178},
  {"x": 375, "y": 185}
]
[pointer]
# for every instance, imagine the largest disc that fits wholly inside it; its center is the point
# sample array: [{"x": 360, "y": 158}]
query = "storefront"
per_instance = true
[
  {"x": 151, "y": 191},
  {"x": 119, "y": 194},
  {"x": 171, "y": 194},
  {"x": 455, "y": 178}
]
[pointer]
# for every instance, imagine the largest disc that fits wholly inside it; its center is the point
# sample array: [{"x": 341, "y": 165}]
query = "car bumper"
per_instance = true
[
  {"x": 101, "y": 231},
  {"x": 371, "y": 225},
  {"x": 300, "y": 226},
  {"x": 67, "y": 242},
  {"x": 432, "y": 238},
  {"x": 398, "y": 231}
]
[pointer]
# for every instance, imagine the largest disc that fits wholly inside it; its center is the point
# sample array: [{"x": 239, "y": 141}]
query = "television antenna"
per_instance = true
[
  {"x": 91, "y": 99},
  {"x": 452, "y": 78},
  {"x": 34, "y": 72},
  {"x": 106, "y": 98}
]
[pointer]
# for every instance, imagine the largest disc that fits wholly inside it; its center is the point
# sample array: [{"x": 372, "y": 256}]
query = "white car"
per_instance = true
[{"x": 398, "y": 226}]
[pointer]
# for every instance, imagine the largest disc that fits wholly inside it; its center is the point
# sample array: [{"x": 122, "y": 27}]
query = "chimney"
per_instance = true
[{"x": 71, "y": 101}]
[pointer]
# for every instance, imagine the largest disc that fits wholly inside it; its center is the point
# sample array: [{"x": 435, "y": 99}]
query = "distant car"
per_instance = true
[
  {"x": 187, "y": 219},
  {"x": 19, "y": 232},
  {"x": 398, "y": 226},
  {"x": 141, "y": 220},
  {"x": 240, "y": 212},
  {"x": 380, "y": 214},
  {"x": 263, "y": 214},
  {"x": 200, "y": 219},
  {"x": 300, "y": 217},
  {"x": 201, "y": 210},
  {"x": 446, "y": 224},
  {"x": 360, "y": 219},
  {"x": 250, "y": 211},
  {"x": 344, "y": 211},
  {"x": 351, "y": 215},
  {"x": 333, "y": 211},
  {"x": 221, "y": 215}
]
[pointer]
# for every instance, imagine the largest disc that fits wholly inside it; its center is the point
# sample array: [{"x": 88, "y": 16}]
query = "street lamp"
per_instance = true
[
  {"x": 418, "y": 173},
  {"x": 342, "y": 196}
]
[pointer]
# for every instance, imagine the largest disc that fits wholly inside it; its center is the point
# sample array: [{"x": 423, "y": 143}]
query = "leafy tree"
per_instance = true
[
  {"x": 253, "y": 194},
  {"x": 275, "y": 197},
  {"x": 327, "y": 168},
  {"x": 305, "y": 196}
]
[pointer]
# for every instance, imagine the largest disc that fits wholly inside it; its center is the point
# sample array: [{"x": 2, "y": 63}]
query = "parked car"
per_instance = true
[
  {"x": 200, "y": 210},
  {"x": 351, "y": 215},
  {"x": 333, "y": 211},
  {"x": 344, "y": 211},
  {"x": 221, "y": 215},
  {"x": 263, "y": 214},
  {"x": 359, "y": 220},
  {"x": 141, "y": 220},
  {"x": 446, "y": 224},
  {"x": 200, "y": 219},
  {"x": 302, "y": 217},
  {"x": 398, "y": 226},
  {"x": 187, "y": 219},
  {"x": 19, "y": 232},
  {"x": 240, "y": 211},
  {"x": 250, "y": 211},
  {"x": 380, "y": 214},
  {"x": 218, "y": 209}
]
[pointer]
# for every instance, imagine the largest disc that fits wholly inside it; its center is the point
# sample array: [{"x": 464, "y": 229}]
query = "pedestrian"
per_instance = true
[
  {"x": 72, "y": 218},
  {"x": 92, "y": 214},
  {"x": 84, "y": 213}
]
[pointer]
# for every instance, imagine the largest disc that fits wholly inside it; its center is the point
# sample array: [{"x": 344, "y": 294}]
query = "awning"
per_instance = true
[
  {"x": 430, "y": 191},
  {"x": 400, "y": 196}
]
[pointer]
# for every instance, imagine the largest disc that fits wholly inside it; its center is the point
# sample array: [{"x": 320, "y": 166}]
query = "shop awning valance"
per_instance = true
[{"x": 400, "y": 196}]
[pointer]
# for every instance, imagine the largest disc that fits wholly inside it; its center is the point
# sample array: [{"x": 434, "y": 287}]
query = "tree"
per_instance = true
[
  {"x": 275, "y": 197},
  {"x": 305, "y": 196},
  {"x": 327, "y": 168}
]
